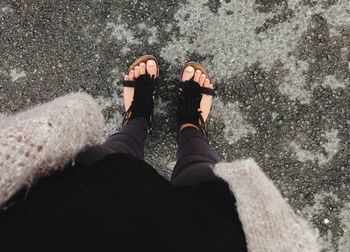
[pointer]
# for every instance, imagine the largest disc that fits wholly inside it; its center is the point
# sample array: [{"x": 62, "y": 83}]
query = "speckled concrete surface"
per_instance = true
[{"x": 282, "y": 69}]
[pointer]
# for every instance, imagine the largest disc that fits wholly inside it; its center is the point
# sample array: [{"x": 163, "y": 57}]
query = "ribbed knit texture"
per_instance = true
[
  {"x": 45, "y": 138},
  {"x": 268, "y": 221}
]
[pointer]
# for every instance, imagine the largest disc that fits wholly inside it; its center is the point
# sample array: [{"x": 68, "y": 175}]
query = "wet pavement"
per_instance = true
[{"x": 281, "y": 68}]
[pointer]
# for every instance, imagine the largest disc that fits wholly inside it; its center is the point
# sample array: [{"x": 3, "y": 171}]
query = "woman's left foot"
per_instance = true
[
  {"x": 139, "y": 86},
  {"x": 195, "y": 97}
]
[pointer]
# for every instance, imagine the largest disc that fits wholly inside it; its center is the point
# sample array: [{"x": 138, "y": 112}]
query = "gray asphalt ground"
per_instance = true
[{"x": 282, "y": 70}]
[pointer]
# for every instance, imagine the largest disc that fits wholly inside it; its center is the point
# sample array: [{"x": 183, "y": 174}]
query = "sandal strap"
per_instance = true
[
  {"x": 203, "y": 90},
  {"x": 127, "y": 83},
  {"x": 143, "y": 102},
  {"x": 188, "y": 111},
  {"x": 208, "y": 91}
]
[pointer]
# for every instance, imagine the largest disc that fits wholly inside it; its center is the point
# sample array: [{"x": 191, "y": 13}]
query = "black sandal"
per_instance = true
[
  {"x": 143, "y": 100},
  {"x": 190, "y": 96}
]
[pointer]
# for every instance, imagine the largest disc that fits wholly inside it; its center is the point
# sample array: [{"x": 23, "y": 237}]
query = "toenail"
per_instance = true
[
  {"x": 189, "y": 69},
  {"x": 151, "y": 63}
]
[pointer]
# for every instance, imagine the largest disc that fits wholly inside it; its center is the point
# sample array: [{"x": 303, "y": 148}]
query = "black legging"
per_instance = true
[{"x": 195, "y": 158}]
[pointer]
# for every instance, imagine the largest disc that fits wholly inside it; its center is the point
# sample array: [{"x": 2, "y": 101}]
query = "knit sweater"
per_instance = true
[{"x": 37, "y": 142}]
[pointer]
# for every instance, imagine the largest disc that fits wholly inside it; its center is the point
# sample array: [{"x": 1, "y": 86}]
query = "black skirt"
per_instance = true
[{"x": 120, "y": 204}]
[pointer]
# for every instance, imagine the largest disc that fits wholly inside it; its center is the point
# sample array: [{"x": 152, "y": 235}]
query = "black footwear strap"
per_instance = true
[
  {"x": 207, "y": 91},
  {"x": 127, "y": 83},
  {"x": 143, "y": 101},
  {"x": 203, "y": 90},
  {"x": 190, "y": 95}
]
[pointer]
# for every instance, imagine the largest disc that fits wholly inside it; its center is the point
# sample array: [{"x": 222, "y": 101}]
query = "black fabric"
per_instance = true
[
  {"x": 188, "y": 104},
  {"x": 121, "y": 204},
  {"x": 194, "y": 159},
  {"x": 143, "y": 103}
]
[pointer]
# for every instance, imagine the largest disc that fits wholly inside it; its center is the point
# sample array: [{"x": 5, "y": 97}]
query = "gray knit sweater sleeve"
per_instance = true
[
  {"x": 42, "y": 139},
  {"x": 268, "y": 221}
]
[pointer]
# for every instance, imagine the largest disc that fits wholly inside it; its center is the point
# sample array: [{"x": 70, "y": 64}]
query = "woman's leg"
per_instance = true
[
  {"x": 138, "y": 100},
  {"x": 129, "y": 140},
  {"x": 195, "y": 159}
]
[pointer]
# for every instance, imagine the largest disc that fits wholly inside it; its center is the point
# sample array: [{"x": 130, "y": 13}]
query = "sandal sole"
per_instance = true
[
  {"x": 196, "y": 66},
  {"x": 144, "y": 59}
]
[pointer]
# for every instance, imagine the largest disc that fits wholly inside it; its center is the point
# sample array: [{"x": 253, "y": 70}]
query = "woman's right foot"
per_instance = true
[
  {"x": 196, "y": 96},
  {"x": 150, "y": 67},
  {"x": 139, "y": 85}
]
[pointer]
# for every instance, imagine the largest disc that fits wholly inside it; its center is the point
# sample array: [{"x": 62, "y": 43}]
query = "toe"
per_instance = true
[
  {"x": 126, "y": 77},
  {"x": 202, "y": 79},
  {"x": 207, "y": 83},
  {"x": 142, "y": 68},
  {"x": 131, "y": 75},
  {"x": 188, "y": 73},
  {"x": 197, "y": 75},
  {"x": 137, "y": 71},
  {"x": 151, "y": 67}
]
